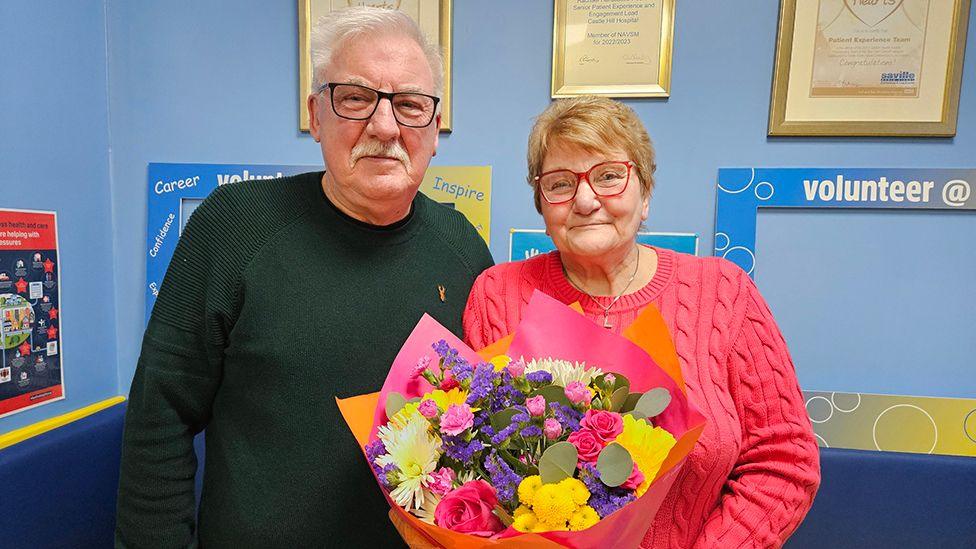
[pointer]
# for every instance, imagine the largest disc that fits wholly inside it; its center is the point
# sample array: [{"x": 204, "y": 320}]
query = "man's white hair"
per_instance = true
[{"x": 332, "y": 30}]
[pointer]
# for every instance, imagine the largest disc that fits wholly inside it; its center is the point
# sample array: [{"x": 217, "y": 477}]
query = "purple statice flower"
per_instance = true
[
  {"x": 450, "y": 360},
  {"x": 388, "y": 475},
  {"x": 504, "y": 479},
  {"x": 441, "y": 348},
  {"x": 567, "y": 416},
  {"x": 374, "y": 450},
  {"x": 539, "y": 377},
  {"x": 456, "y": 448},
  {"x": 531, "y": 431},
  {"x": 603, "y": 499},
  {"x": 505, "y": 394},
  {"x": 482, "y": 383},
  {"x": 504, "y": 434},
  {"x": 461, "y": 369}
]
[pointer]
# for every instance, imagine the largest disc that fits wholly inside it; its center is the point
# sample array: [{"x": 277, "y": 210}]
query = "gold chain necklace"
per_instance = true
[{"x": 606, "y": 309}]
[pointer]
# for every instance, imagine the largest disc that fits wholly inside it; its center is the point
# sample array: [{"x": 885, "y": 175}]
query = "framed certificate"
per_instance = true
[
  {"x": 614, "y": 48},
  {"x": 868, "y": 67},
  {"x": 433, "y": 17}
]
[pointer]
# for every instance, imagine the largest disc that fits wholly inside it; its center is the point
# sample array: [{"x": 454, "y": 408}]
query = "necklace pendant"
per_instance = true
[{"x": 606, "y": 322}]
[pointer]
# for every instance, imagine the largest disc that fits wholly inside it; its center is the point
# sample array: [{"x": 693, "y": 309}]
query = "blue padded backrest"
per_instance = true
[
  {"x": 890, "y": 499},
  {"x": 58, "y": 489}
]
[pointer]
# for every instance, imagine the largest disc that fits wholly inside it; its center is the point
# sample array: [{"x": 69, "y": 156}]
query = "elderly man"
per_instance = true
[{"x": 285, "y": 294}]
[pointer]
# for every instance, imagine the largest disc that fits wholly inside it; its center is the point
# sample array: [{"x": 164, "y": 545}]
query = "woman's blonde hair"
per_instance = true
[{"x": 593, "y": 124}]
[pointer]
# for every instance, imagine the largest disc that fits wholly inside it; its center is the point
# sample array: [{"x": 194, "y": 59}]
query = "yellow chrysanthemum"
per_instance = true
[
  {"x": 527, "y": 489},
  {"x": 499, "y": 362},
  {"x": 553, "y": 504},
  {"x": 583, "y": 518},
  {"x": 525, "y": 521},
  {"x": 576, "y": 489},
  {"x": 443, "y": 399},
  {"x": 649, "y": 446}
]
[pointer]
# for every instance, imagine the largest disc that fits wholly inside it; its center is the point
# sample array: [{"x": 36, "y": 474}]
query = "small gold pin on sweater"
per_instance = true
[{"x": 441, "y": 290}]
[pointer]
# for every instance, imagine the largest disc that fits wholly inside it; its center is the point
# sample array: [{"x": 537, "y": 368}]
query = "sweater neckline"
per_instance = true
[
  {"x": 394, "y": 233},
  {"x": 662, "y": 277}
]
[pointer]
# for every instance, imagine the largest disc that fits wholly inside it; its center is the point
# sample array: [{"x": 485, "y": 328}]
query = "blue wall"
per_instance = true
[
  {"x": 198, "y": 82},
  {"x": 54, "y": 147}
]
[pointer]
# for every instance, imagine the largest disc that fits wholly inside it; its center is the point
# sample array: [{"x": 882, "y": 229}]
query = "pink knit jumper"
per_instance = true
[{"x": 753, "y": 474}]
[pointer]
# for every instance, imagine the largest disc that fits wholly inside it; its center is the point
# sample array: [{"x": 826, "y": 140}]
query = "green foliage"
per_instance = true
[
  {"x": 653, "y": 402},
  {"x": 614, "y": 465},
  {"x": 394, "y": 403},
  {"x": 558, "y": 462}
]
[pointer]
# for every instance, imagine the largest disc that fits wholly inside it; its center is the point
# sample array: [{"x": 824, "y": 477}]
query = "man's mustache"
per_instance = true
[{"x": 389, "y": 149}]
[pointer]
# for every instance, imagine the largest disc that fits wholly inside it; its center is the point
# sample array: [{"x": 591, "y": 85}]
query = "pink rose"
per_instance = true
[
  {"x": 635, "y": 479},
  {"x": 441, "y": 481},
  {"x": 536, "y": 405},
  {"x": 605, "y": 425},
  {"x": 577, "y": 393},
  {"x": 428, "y": 408},
  {"x": 468, "y": 509},
  {"x": 456, "y": 419},
  {"x": 421, "y": 367},
  {"x": 552, "y": 429},
  {"x": 516, "y": 368},
  {"x": 588, "y": 445}
]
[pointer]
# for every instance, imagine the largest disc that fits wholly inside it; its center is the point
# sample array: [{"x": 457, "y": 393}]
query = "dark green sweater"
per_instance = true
[{"x": 274, "y": 304}]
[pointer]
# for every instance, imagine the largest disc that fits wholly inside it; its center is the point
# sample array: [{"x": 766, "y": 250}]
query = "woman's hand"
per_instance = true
[{"x": 414, "y": 538}]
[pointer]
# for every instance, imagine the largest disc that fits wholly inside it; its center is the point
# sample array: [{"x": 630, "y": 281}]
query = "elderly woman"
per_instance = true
[{"x": 752, "y": 476}]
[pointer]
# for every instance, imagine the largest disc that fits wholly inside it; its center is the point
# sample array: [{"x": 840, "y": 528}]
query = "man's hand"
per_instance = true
[{"x": 411, "y": 536}]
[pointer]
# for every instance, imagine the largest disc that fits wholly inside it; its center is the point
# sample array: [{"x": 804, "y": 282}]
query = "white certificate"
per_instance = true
[{"x": 869, "y": 48}]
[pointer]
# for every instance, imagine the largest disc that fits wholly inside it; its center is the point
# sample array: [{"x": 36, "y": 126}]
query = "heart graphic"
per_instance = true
[{"x": 872, "y": 12}]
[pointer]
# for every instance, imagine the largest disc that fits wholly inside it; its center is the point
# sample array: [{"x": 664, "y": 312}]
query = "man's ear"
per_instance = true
[
  {"x": 437, "y": 132},
  {"x": 313, "y": 119}
]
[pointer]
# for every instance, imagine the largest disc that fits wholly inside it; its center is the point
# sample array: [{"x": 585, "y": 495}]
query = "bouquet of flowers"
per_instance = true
[{"x": 562, "y": 434}]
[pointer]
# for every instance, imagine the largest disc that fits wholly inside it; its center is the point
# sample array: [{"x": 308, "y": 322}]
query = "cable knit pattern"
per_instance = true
[{"x": 753, "y": 474}]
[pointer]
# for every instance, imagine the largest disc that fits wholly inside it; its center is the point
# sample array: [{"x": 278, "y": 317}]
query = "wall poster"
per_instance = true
[{"x": 30, "y": 317}]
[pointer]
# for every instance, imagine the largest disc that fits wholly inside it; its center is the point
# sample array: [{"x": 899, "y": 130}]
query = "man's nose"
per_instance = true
[{"x": 383, "y": 125}]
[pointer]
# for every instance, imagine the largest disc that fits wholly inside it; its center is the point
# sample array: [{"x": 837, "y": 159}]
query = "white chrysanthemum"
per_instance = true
[
  {"x": 563, "y": 371},
  {"x": 426, "y": 510},
  {"x": 414, "y": 451}
]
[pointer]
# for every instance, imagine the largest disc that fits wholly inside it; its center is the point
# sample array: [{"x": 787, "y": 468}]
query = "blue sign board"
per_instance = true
[
  {"x": 742, "y": 191},
  {"x": 175, "y": 190}
]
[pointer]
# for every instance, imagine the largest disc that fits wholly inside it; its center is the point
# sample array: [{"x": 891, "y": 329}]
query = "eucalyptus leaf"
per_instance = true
[
  {"x": 621, "y": 381},
  {"x": 635, "y": 414},
  {"x": 414, "y": 400},
  {"x": 618, "y": 399},
  {"x": 653, "y": 402},
  {"x": 558, "y": 462},
  {"x": 631, "y": 402},
  {"x": 553, "y": 393},
  {"x": 502, "y": 419},
  {"x": 614, "y": 465},
  {"x": 394, "y": 403}
]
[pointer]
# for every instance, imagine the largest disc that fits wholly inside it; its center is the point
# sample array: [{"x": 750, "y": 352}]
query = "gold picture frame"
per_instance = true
[
  {"x": 849, "y": 68},
  {"x": 607, "y": 51},
  {"x": 306, "y": 9}
]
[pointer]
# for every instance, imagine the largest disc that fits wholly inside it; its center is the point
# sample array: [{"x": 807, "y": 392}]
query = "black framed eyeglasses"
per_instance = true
[
  {"x": 355, "y": 102},
  {"x": 606, "y": 179}
]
